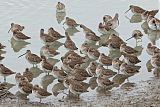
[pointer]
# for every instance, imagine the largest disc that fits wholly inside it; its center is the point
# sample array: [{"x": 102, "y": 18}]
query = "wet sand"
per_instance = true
[{"x": 143, "y": 94}]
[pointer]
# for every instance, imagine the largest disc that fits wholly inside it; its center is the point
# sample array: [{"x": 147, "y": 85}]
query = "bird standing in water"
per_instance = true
[
  {"x": 4, "y": 71},
  {"x": 31, "y": 58},
  {"x": 69, "y": 44}
]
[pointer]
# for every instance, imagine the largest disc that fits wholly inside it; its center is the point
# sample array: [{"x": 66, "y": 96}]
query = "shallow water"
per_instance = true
[{"x": 37, "y": 14}]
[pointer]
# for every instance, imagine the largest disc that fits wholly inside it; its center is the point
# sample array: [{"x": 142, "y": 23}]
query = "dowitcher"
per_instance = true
[
  {"x": 46, "y": 66},
  {"x": 130, "y": 59},
  {"x": 114, "y": 42},
  {"x": 105, "y": 60},
  {"x": 100, "y": 70},
  {"x": 127, "y": 49},
  {"x": 116, "y": 63},
  {"x": 153, "y": 23},
  {"x": 53, "y": 33},
  {"x": 76, "y": 59},
  {"x": 93, "y": 53},
  {"x": 25, "y": 87},
  {"x": 19, "y": 36},
  {"x": 2, "y": 46},
  {"x": 151, "y": 49},
  {"x": 71, "y": 23},
  {"x": 3, "y": 90},
  {"x": 106, "y": 18},
  {"x": 77, "y": 88},
  {"x": 92, "y": 37},
  {"x": 136, "y": 34},
  {"x": 86, "y": 29},
  {"x": 82, "y": 85},
  {"x": 49, "y": 52},
  {"x": 68, "y": 64},
  {"x": 19, "y": 77},
  {"x": 156, "y": 52},
  {"x": 16, "y": 27},
  {"x": 40, "y": 92},
  {"x": 135, "y": 9},
  {"x": 46, "y": 38},
  {"x": 3, "y": 87},
  {"x": 4, "y": 71},
  {"x": 104, "y": 82},
  {"x": 67, "y": 67},
  {"x": 113, "y": 23},
  {"x": 103, "y": 28},
  {"x": 112, "y": 45},
  {"x": 32, "y": 58},
  {"x": 114, "y": 37},
  {"x": 70, "y": 52},
  {"x": 77, "y": 76},
  {"x": 69, "y": 44},
  {"x": 155, "y": 61},
  {"x": 80, "y": 71},
  {"x": 145, "y": 14},
  {"x": 84, "y": 48},
  {"x": 60, "y": 7},
  {"x": 28, "y": 74},
  {"x": 59, "y": 73},
  {"x": 127, "y": 69},
  {"x": 91, "y": 69}
]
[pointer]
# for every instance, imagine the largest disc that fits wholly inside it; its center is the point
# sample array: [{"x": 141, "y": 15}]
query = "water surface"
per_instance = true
[{"x": 37, "y": 14}]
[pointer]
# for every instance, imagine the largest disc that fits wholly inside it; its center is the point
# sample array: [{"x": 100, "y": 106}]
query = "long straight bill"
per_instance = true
[
  {"x": 129, "y": 38},
  {"x": 22, "y": 55},
  {"x": 64, "y": 22},
  {"x": 9, "y": 30},
  {"x": 127, "y": 10}
]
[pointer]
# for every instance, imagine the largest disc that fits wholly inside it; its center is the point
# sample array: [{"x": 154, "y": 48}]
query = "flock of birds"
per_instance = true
[{"x": 74, "y": 69}]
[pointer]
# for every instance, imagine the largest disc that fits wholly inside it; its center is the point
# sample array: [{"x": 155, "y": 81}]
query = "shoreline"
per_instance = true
[{"x": 144, "y": 94}]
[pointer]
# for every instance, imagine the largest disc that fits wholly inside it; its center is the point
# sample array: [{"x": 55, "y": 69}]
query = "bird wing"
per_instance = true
[
  {"x": 129, "y": 49},
  {"x": 27, "y": 89},
  {"x": 21, "y": 35},
  {"x": 71, "y": 22},
  {"x": 6, "y": 70},
  {"x": 47, "y": 66},
  {"x": 70, "y": 45},
  {"x": 43, "y": 92},
  {"x": 34, "y": 58}
]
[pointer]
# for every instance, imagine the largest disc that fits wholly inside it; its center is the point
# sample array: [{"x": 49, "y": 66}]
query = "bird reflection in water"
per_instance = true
[
  {"x": 134, "y": 19},
  {"x": 18, "y": 45},
  {"x": 60, "y": 16}
]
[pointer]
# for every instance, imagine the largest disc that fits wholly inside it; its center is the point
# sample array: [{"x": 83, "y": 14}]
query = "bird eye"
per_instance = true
[
  {"x": 153, "y": 21},
  {"x": 134, "y": 35}
]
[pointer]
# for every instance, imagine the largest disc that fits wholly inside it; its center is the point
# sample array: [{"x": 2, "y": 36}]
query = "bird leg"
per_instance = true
[
  {"x": 40, "y": 100},
  {"x": 118, "y": 71},
  {"x": 127, "y": 80},
  {"x": 4, "y": 78}
]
